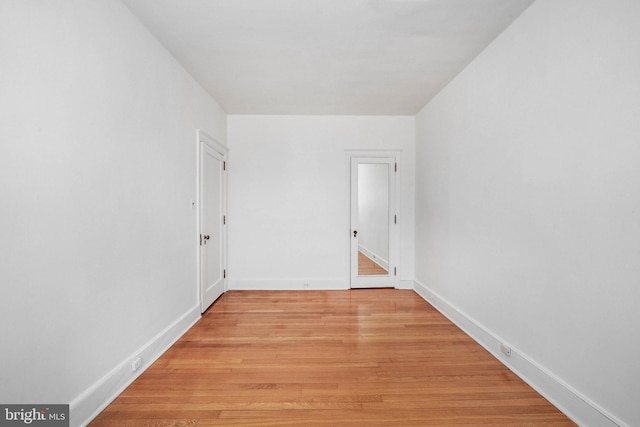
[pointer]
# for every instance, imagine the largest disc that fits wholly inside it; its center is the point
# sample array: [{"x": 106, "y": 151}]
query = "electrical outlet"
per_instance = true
[
  {"x": 305, "y": 285},
  {"x": 135, "y": 365},
  {"x": 505, "y": 349}
]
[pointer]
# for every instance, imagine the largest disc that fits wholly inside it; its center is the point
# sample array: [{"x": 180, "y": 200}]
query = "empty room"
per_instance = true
[{"x": 337, "y": 212}]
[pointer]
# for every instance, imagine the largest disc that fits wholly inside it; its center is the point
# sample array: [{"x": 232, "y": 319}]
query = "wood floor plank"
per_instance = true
[{"x": 348, "y": 358}]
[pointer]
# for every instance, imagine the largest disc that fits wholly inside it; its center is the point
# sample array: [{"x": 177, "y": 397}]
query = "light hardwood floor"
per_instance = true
[{"x": 327, "y": 358}]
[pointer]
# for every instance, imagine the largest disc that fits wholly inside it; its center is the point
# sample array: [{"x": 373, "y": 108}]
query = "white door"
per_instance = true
[
  {"x": 212, "y": 198},
  {"x": 373, "y": 218}
]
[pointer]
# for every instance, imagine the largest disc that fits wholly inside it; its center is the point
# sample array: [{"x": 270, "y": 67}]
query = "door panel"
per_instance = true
[
  {"x": 212, "y": 227},
  {"x": 373, "y": 248}
]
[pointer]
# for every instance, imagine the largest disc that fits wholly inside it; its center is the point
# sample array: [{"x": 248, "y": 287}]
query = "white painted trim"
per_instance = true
[
  {"x": 288, "y": 284},
  {"x": 405, "y": 284},
  {"x": 204, "y": 138},
  {"x": 374, "y": 257},
  {"x": 576, "y": 406},
  {"x": 395, "y": 240},
  {"x": 214, "y": 143},
  {"x": 98, "y": 396},
  {"x": 298, "y": 284}
]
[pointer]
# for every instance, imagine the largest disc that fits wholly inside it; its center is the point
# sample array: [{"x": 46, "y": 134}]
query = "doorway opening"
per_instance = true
[
  {"x": 373, "y": 213},
  {"x": 212, "y": 197}
]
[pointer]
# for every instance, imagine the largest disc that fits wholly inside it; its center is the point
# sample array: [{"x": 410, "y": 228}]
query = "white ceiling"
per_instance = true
[{"x": 360, "y": 57}]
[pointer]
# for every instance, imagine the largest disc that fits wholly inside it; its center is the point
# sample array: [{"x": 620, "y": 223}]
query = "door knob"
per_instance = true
[
  {"x": 206, "y": 237},
  {"x": 355, "y": 233}
]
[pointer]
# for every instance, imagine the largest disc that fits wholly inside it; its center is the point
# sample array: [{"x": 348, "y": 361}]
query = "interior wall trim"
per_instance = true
[
  {"x": 406, "y": 284},
  {"x": 579, "y": 408},
  {"x": 98, "y": 396},
  {"x": 299, "y": 284},
  {"x": 287, "y": 284}
]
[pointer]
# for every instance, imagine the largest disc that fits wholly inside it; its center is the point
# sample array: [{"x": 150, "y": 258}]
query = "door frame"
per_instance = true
[
  {"x": 394, "y": 232},
  {"x": 204, "y": 139}
]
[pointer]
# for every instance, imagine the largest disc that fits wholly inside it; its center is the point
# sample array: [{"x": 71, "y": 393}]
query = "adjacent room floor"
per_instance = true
[{"x": 336, "y": 358}]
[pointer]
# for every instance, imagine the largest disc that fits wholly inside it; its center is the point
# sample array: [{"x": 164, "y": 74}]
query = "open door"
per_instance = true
[
  {"x": 373, "y": 217},
  {"x": 212, "y": 220}
]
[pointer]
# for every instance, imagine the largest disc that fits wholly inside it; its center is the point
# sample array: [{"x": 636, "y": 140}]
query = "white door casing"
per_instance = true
[
  {"x": 212, "y": 253},
  {"x": 387, "y": 161}
]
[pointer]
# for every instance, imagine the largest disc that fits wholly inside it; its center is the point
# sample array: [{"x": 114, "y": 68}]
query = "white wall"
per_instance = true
[
  {"x": 528, "y": 195},
  {"x": 97, "y": 171},
  {"x": 288, "y": 220}
]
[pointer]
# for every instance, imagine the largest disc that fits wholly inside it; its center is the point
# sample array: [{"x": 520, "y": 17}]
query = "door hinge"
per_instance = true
[
  {"x": 396, "y": 167},
  {"x": 224, "y": 166},
  {"x": 201, "y": 240},
  {"x": 224, "y": 219},
  {"x": 395, "y": 219},
  {"x": 395, "y": 271},
  {"x": 224, "y": 274}
]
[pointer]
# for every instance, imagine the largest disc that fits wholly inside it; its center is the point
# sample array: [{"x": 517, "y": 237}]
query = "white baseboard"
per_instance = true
[
  {"x": 576, "y": 406},
  {"x": 405, "y": 284},
  {"x": 374, "y": 257},
  {"x": 96, "y": 398},
  {"x": 287, "y": 284},
  {"x": 298, "y": 284}
]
